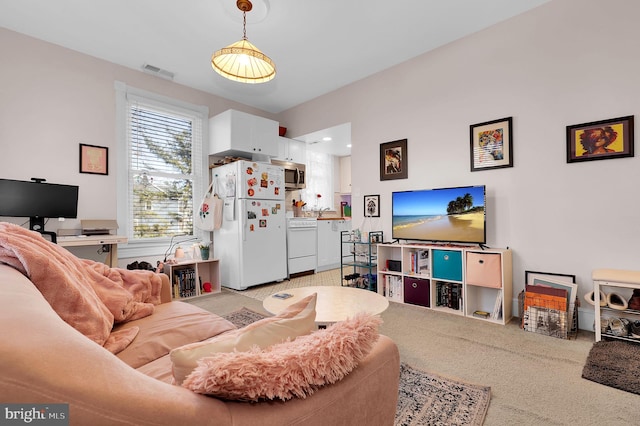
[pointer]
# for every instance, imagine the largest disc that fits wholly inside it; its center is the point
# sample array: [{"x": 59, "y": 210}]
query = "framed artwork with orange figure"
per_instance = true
[{"x": 600, "y": 140}]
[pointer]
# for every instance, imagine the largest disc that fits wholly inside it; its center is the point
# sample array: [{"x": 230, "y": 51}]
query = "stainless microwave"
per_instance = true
[{"x": 295, "y": 176}]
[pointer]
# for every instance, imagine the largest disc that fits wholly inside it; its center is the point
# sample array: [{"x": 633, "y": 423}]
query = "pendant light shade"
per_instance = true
[{"x": 242, "y": 61}]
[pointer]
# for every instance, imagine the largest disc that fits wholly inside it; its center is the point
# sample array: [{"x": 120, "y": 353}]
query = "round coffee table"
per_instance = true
[{"x": 333, "y": 304}]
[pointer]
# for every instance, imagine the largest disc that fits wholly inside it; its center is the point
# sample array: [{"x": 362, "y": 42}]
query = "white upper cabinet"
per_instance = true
[
  {"x": 292, "y": 150},
  {"x": 237, "y": 133}
]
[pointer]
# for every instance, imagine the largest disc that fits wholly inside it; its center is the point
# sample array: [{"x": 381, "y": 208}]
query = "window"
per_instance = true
[
  {"x": 320, "y": 178},
  {"x": 161, "y": 169}
]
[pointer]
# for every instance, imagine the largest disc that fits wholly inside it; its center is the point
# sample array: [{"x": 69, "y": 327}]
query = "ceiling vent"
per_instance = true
[{"x": 159, "y": 72}]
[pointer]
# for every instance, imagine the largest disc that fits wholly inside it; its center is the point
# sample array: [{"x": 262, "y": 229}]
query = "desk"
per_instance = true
[{"x": 96, "y": 240}]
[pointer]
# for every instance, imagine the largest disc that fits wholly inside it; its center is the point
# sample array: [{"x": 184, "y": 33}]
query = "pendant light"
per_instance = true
[{"x": 242, "y": 61}]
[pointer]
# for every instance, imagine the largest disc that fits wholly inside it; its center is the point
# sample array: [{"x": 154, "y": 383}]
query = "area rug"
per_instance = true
[
  {"x": 243, "y": 316},
  {"x": 424, "y": 398},
  {"x": 429, "y": 399},
  {"x": 615, "y": 364}
]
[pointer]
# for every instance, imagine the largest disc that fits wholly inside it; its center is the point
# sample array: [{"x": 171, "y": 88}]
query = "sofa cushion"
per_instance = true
[
  {"x": 172, "y": 325},
  {"x": 290, "y": 369},
  {"x": 296, "y": 320},
  {"x": 159, "y": 369}
]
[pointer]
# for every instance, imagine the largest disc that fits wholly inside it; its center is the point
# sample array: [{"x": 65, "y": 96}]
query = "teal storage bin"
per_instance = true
[{"x": 447, "y": 265}]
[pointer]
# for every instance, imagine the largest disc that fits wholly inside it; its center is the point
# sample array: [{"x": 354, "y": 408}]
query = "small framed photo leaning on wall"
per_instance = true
[
  {"x": 372, "y": 205},
  {"x": 491, "y": 144},
  {"x": 600, "y": 140},
  {"x": 393, "y": 160}
]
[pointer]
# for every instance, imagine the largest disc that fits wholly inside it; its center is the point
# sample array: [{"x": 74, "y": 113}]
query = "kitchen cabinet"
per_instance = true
[
  {"x": 345, "y": 175},
  {"x": 236, "y": 133},
  {"x": 292, "y": 150},
  {"x": 329, "y": 242}
]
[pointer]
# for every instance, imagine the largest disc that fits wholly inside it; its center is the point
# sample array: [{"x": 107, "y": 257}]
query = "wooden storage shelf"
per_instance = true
[
  {"x": 188, "y": 278},
  {"x": 472, "y": 279}
]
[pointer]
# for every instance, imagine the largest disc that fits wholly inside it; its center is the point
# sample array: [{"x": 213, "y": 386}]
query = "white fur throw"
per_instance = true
[{"x": 290, "y": 369}]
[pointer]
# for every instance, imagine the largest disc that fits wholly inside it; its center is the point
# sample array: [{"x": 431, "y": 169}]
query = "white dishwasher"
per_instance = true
[{"x": 302, "y": 244}]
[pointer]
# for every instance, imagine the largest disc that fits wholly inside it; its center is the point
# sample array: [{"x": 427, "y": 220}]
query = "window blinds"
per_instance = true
[{"x": 164, "y": 152}]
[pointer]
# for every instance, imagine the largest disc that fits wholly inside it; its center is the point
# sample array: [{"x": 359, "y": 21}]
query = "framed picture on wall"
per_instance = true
[
  {"x": 94, "y": 159},
  {"x": 491, "y": 144},
  {"x": 372, "y": 205},
  {"x": 393, "y": 160},
  {"x": 600, "y": 140}
]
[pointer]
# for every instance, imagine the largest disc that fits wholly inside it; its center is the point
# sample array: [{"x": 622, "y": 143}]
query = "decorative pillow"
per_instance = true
[
  {"x": 290, "y": 369},
  {"x": 296, "y": 320}
]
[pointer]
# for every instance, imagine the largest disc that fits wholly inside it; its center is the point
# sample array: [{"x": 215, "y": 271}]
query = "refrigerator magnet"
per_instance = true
[
  {"x": 251, "y": 228},
  {"x": 265, "y": 212},
  {"x": 263, "y": 223}
]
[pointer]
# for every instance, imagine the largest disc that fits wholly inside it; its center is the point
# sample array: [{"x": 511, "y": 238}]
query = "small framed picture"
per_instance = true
[
  {"x": 372, "y": 205},
  {"x": 491, "y": 144},
  {"x": 600, "y": 140},
  {"x": 393, "y": 160},
  {"x": 94, "y": 159}
]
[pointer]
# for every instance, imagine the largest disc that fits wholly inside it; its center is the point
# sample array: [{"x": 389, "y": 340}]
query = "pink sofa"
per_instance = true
[{"x": 44, "y": 360}]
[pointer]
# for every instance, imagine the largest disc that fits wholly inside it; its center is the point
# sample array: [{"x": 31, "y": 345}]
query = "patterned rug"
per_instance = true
[
  {"x": 429, "y": 399},
  {"x": 423, "y": 398},
  {"x": 243, "y": 316}
]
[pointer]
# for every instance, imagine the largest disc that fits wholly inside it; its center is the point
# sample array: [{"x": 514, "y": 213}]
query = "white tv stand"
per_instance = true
[
  {"x": 96, "y": 240},
  {"x": 461, "y": 280}
]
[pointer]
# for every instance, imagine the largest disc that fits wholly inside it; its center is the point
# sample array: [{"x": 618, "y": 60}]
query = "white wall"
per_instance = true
[
  {"x": 566, "y": 62},
  {"x": 51, "y": 100}
]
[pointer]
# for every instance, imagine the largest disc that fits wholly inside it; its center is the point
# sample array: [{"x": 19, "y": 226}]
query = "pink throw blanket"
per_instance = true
[{"x": 88, "y": 295}]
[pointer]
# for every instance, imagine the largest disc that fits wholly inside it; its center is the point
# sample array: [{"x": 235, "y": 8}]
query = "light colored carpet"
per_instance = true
[
  {"x": 260, "y": 292},
  {"x": 534, "y": 379}
]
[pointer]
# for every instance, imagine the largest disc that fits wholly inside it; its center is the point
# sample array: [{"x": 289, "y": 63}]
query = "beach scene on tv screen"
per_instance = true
[{"x": 451, "y": 214}]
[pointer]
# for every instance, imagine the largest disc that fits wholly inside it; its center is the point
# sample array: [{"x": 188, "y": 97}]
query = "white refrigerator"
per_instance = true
[{"x": 251, "y": 244}]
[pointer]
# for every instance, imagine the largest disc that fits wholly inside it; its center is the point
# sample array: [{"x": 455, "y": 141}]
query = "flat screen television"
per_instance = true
[
  {"x": 37, "y": 201},
  {"x": 455, "y": 215}
]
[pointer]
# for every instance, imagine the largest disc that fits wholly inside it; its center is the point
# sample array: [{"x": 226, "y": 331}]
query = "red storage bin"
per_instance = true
[{"x": 416, "y": 291}]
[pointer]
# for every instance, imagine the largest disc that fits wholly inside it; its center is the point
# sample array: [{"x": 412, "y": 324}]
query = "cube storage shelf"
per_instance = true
[
  {"x": 188, "y": 278},
  {"x": 464, "y": 281}
]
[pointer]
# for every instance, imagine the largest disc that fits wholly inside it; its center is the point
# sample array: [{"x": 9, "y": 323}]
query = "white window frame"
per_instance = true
[{"x": 155, "y": 246}]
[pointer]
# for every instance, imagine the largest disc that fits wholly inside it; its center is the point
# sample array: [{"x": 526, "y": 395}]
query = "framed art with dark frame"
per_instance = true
[
  {"x": 491, "y": 144},
  {"x": 372, "y": 205},
  {"x": 393, "y": 160},
  {"x": 94, "y": 159},
  {"x": 560, "y": 281},
  {"x": 600, "y": 140}
]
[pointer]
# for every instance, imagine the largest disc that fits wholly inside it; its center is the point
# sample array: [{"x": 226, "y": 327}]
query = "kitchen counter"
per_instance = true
[{"x": 334, "y": 218}]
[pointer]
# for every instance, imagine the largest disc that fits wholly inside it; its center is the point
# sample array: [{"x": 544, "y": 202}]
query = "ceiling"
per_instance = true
[{"x": 317, "y": 45}]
